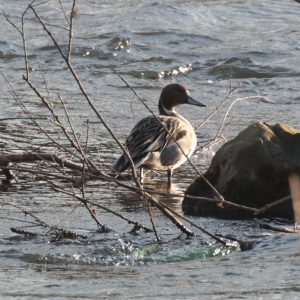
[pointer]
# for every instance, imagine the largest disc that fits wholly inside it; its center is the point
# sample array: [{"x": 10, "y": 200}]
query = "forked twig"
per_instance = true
[
  {"x": 84, "y": 200},
  {"x": 85, "y": 94},
  {"x": 220, "y": 105},
  {"x": 59, "y": 232}
]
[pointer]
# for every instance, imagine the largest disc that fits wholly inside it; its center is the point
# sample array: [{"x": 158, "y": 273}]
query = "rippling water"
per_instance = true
[{"x": 205, "y": 45}]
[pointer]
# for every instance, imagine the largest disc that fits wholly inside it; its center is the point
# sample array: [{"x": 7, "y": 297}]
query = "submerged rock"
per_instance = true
[{"x": 251, "y": 170}]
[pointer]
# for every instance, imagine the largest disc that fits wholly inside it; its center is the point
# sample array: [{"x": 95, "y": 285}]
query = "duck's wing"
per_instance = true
[
  {"x": 147, "y": 136},
  {"x": 150, "y": 136}
]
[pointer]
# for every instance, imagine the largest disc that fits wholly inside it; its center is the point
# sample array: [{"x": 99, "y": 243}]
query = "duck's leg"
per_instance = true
[
  {"x": 170, "y": 173},
  {"x": 142, "y": 177}
]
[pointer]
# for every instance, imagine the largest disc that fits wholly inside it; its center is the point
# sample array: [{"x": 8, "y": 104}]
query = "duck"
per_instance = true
[{"x": 150, "y": 143}]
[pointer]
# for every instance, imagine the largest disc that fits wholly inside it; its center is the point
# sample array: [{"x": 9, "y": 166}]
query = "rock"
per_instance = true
[{"x": 252, "y": 170}]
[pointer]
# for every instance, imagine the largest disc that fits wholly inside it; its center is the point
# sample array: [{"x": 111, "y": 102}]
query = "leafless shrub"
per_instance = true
[{"x": 69, "y": 159}]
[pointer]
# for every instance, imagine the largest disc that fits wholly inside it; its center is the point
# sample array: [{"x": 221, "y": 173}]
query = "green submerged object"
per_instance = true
[{"x": 157, "y": 253}]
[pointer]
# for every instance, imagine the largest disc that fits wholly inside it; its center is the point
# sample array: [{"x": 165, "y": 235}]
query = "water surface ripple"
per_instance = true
[{"x": 205, "y": 45}]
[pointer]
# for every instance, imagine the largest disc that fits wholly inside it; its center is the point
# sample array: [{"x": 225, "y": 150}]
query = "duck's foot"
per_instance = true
[
  {"x": 8, "y": 175},
  {"x": 170, "y": 172}
]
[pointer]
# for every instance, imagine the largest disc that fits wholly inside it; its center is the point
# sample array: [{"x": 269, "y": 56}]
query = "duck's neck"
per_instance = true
[
  {"x": 170, "y": 112},
  {"x": 167, "y": 112}
]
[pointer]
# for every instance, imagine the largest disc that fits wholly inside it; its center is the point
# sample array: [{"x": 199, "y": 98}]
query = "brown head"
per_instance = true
[{"x": 172, "y": 95}]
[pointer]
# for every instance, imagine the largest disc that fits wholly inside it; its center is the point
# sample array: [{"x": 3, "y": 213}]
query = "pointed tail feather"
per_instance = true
[{"x": 122, "y": 163}]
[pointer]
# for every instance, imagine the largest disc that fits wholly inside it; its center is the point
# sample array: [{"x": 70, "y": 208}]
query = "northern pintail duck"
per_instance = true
[{"x": 151, "y": 146}]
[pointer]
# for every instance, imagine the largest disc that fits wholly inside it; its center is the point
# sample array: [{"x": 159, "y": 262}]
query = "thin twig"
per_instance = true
[
  {"x": 102, "y": 207},
  {"x": 64, "y": 12},
  {"x": 23, "y": 232},
  {"x": 259, "y": 98},
  {"x": 101, "y": 227},
  {"x": 263, "y": 209},
  {"x": 59, "y": 232},
  {"x": 72, "y": 15},
  {"x": 85, "y": 94},
  {"x": 152, "y": 222},
  {"x": 24, "y": 40},
  {"x": 221, "y": 104},
  {"x": 279, "y": 229}
]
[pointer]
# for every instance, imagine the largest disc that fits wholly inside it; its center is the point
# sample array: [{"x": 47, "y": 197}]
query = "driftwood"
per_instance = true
[
  {"x": 59, "y": 233},
  {"x": 279, "y": 228}
]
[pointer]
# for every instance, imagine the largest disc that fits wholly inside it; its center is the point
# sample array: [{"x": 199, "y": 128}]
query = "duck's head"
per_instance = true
[{"x": 173, "y": 95}]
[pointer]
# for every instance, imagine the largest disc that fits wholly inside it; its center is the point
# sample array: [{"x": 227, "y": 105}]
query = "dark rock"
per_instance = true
[{"x": 251, "y": 170}]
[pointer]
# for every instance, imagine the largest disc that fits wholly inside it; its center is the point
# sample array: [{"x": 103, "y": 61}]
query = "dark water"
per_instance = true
[{"x": 205, "y": 45}]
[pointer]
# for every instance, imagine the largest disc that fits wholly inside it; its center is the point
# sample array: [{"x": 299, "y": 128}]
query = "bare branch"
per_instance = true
[
  {"x": 11, "y": 22},
  {"x": 102, "y": 207},
  {"x": 152, "y": 222},
  {"x": 85, "y": 94},
  {"x": 64, "y": 12},
  {"x": 231, "y": 91},
  {"x": 72, "y": 15}
]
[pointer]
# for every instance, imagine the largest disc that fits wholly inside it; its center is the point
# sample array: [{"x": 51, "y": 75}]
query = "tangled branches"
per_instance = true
[{"x": 67, "y": 164}]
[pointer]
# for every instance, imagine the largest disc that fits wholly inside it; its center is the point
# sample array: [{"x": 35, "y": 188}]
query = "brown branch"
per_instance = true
[
  {"x": 220, "y": 105},
  {"x": 200, "y": 227},
  {"x": 29, "y": 115},
  {"x": 263, "y": 209},
  {"x": 59, "y": 232},
  {"x": 45, "y": 175},
  {"x": 85, "y": 94},
  {"x": 24, "y": 41},
  {"x": 22, "y": 33},
  {"x": 72, "y": 15},
  {"x": 64, "y": 12},
  {"x": 101, "y": 227},
  {"x": 11, "y": 22},
  {"x": 166, "y": 210},
  {"x": 260, "y": 98},
  {"x": 30, "y": 157},
  {"x": 152, "y": 222},
  {"x": 92, "y": 170},
  {"x": 75, "y": 144},
  {"x": 24, "y": 232},
  {"x": 279, "y": 229},
  {"x": 225, "y": 203},
  {"x": 83, "y": 200}
]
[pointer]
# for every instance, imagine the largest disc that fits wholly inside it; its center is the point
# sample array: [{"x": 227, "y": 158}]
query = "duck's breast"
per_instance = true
[{"x": 185, "y": 137}]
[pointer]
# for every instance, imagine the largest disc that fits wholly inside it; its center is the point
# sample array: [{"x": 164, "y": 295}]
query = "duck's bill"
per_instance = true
[{"x": 192, "y": 101}]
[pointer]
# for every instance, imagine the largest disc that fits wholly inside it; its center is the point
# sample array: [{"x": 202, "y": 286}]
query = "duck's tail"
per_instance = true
[{"x": 122, "y": 163}]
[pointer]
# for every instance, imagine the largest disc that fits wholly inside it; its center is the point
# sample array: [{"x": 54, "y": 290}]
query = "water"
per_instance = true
[{"x": 205, "y": 45}]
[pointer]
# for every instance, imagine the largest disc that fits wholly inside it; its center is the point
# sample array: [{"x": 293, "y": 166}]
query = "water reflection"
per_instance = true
[
  {"x": 157, "y": 187},
  {"x": 173, "y": 197}
]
